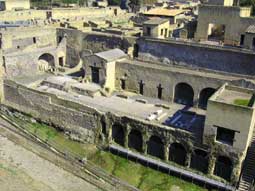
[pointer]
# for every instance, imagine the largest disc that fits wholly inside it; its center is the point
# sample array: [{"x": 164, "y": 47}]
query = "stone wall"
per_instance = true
[
  {"x": 152, "y": 75},
  {"x": 235, "y": 19},
  {"x": 196, "y": 55},
  {"x": 78, "y": 42},
  {"x": 86, "y": 124},
  {"x": 22, "y": 49},
  {"x": 71, "y": 117}
]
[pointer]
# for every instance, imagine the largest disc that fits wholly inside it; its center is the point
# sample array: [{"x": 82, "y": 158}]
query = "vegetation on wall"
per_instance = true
[{"x": 142, "y": 177}]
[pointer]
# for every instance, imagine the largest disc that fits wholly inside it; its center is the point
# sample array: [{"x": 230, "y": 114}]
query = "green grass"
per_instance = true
[
  {"x": 135, "y": 174},
  {"x": 242, "y": 102}
]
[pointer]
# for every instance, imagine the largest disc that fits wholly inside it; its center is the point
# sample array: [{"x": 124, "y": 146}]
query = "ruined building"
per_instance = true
[{"x": 188, "y": 104}]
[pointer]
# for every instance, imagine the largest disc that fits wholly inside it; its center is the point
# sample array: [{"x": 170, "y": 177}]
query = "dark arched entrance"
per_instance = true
[
  {"x": 177, "y": 154},
  {"x": 184, "y": 94},
  {"x": 48, "y": 58},
  {"x": 155, "y": 147},
  {"x": 118, "y": 134},
  {"x": 223, "y": 167},
  {"x": 135, "y": 140},
  {"x": 204, "y": 95},
  {"x": 199, "y": 160}
]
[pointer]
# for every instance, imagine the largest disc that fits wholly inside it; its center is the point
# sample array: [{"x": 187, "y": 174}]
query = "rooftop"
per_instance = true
[
  {"x": 155, "y": 111},
  {"x": 250, "y": 29},
  {"x": 156, "y": 21},
  {"x": 111, "y": 55},
  {"x": 164, "y": 12},
  {"x": 235, "y": 96}
]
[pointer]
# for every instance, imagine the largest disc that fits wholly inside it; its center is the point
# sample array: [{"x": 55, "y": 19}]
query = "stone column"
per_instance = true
[
  {"x": 126, "y": 131},
  {"x": 211, "y": 165},
  {"x": 145, "y": 139},
  {"x": 166, "y": 151},
  {"x": 188, "y": 159},
  {"x": 236, "y": 171},
  {"x": 110, "y": 133}
]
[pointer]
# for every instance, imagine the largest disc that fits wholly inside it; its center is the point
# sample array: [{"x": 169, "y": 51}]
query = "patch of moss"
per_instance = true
[{"x": 241, "y": 102}]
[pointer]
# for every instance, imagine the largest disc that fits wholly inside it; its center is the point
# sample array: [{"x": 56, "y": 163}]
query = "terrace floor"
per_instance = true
[{"x": 128, "y": 104}]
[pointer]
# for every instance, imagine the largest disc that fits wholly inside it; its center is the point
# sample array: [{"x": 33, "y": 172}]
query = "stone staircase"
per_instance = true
[{"x": 248, "y": 171}]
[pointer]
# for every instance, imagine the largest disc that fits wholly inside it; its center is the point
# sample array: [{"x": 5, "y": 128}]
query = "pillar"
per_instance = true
[
  {"x": 188, "y": 159},
  {"x": 211, "y": 165},
  {"x": 236, "y": 171},
  {"x": 110, "y": 133},
  {"x": 145, "y": 140},
  {"x": 166, "y": 151},
  {"x": 126, "y": 131}
]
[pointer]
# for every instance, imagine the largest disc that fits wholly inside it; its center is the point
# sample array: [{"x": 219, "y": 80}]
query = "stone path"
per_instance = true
[{"x": 22, "y": 170}]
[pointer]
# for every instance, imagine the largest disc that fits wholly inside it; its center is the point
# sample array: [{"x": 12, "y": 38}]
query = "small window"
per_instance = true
[
  {"x": 242, "y": 39},
  {"x": 225, "y": 135},
  {"x": 141, "y": 85},
  {"x": 61, "y": 61},
  {"x": 60, "y": 39},
  {"x": 34, "y": 40},
  {"x": 165, "y": 32},
  {"x": 123, "y": 84},
  {"x": 162, "y": 32},
  {"x": 160, "y": 89},
  {"x": 253, "y": 43},
  {"x": 148, "y": 31},
  {"x": 18, "y": 47}
]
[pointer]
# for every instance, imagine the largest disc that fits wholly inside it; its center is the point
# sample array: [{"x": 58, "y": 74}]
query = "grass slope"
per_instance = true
[{"x": 142, "y": 177}]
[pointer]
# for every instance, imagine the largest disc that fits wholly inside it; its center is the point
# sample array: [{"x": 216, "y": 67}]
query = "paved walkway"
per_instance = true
[{"x": 23, "y": 170}]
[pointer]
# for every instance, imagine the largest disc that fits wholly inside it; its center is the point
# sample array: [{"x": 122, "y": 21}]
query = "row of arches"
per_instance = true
[
  {"x": 177, "y": 153},
  {"x": 184, "y": 94}
]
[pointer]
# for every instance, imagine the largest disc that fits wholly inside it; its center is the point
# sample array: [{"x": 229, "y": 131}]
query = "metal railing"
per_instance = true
[{"x": 67, "y": 154}]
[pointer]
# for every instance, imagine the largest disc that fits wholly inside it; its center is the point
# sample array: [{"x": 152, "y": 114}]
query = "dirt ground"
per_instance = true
[{"x": 22, "y": 170}]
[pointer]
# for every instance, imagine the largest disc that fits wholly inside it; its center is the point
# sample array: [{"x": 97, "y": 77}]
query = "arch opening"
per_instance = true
[
  {"x": 204, "y": 96},
  {"x": 118, "y": 134},
  {"x": 46, "y": 62},
  {"x": 223, "y": 167},
  {"x": 184, "y": 94},
  {"x": 199, "y": 160},
  {"x": 177, "y": 154},
  {"x": 155, "y": 147},
  {"x": 135, "y": 140}
]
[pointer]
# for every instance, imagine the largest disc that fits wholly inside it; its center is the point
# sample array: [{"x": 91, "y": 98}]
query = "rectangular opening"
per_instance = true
[
  {"x": 141, "y": 84},
  {"x": 162, "y": 32},
  {"x": 160, "y": 89},
  {"x": 61, "y": 61},
  {"x": 34, "y": 40},
  {"x": 165, "y": 32},
  {"x": 123, "y": 84},
  {"x": 224, "y": 135},
  {"x": 253, "y": 42},
  {"x": 60, "y": 39},
  {"x": 95, "y": 75},
  {"x": 242, "y": 39},
  {"x": 104, "y": 128},
  {"x": 216, "y": 32},
  {"x": 148, "y": 31}
]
